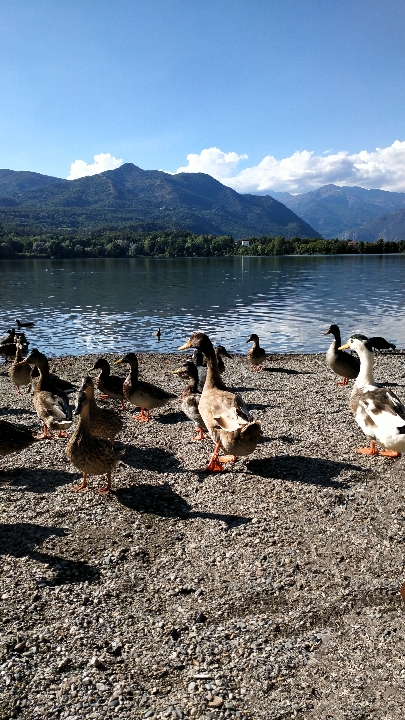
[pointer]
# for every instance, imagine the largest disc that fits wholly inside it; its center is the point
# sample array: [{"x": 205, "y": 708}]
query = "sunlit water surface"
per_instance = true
[{"x": 96, "y": 306}]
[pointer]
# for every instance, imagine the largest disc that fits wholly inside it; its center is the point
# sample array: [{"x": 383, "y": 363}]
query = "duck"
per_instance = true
[
  {"x": 380, "y": 343},
  {"x": 140, "y": 393},
  {"x": 225, "y": 414},
  {"x": 109, "y": 386},
  {"x": 8, "y": 351},
  {"x": 14, "y": 438},
  {"x": 8, "y": 337},
  {"x": 62, "y": 385},
  {"x": 24, "y": 324},
  {"x": 20, "y": 371},
  {"x": 221, "y": 352},
  {"x": 157, "y": 333},
  {"x": 377, "y": 410},
  {"x": 104, "y": 422},
  {"x": 343, "y": 364},
  {"x": 190, "y": 398},
  {"x": 51, "y": 404},
  {"x": 90, "y": 454},
  {"x": 256, "y": 354}
]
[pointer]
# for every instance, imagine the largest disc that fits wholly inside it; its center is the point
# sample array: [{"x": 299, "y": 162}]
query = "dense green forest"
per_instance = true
[{"x": 26, "y": 243}]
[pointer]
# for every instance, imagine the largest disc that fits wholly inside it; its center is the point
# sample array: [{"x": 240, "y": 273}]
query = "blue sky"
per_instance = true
[{"x": 282, "y": 95}]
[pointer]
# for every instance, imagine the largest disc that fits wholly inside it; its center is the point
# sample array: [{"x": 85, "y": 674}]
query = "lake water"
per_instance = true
[{"x": 95, "y": 306}]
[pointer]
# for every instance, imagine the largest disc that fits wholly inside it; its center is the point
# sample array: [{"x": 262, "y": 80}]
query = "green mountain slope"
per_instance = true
[
  {"x": 341, "y": 211},
  {"x": 136, "y": 197},
  {"x": 390, "y": 226}
]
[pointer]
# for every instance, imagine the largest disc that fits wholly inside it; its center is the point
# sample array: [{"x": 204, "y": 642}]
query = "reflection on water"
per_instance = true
[{"x": 83, "y": 306}]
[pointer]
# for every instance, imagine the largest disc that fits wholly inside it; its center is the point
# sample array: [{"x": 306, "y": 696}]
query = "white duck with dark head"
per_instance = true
[{"x": 377, "y": 410}]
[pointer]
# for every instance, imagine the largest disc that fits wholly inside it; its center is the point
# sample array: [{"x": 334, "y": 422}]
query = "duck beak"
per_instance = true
[
  {"x": 186, "y": 346},
  {"x": 346, "y": 346},
  {"x": 178, "y": 371},
  {"x": 118, "y": 362},
  {"x": 327, "y": 332}
]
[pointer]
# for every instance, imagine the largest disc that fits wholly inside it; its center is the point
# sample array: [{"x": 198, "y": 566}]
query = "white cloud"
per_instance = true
[
  {"x": 102, "y": 162},
  {"x": 304, "y": 171},
  {"x": 213, "y": 162}
]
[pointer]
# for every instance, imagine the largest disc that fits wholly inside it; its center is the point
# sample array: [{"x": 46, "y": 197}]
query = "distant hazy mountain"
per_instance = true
[
  {"x": 388, "y": 227},
  {"x": 342, "y": 211},
  {"x": 131, "y": 196}
]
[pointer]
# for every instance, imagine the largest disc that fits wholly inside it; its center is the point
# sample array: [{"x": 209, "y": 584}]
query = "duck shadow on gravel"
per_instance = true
[
  {"x": 22, "y": 539},
  {"x": 161, "y": 500},
  {"x": 18, "y": 411},
  {"x": 287, "y": 371},
  {"x": 157, "y": 459},
  {"x": 39, "y": 480},
  {"x": 171, "y": 418},
  {"x": 306, "y": 470}
]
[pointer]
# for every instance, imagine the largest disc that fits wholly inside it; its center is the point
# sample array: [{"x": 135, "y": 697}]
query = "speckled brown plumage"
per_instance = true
[{"x": 104, "y": 422}]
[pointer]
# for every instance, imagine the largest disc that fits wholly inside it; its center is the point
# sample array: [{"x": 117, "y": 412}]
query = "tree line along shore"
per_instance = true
[{"x": 111, "y": 243}]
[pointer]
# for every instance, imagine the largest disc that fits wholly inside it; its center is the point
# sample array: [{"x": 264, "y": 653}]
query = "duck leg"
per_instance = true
[
  {"x": 62, "y": 433},
  {"x": 122, "y": 406},
  {"x": 343, "y": 382},
  {"x": 46, "y": 435},
  {"x": 372, "y": 450},
  {"x": 106, "y": 489},
  {"x": 143, "y": 415},
  {"x": 200, "y": 435},
  {"x": 214, "y": 465},
  {"x": 83, "y": 486}
]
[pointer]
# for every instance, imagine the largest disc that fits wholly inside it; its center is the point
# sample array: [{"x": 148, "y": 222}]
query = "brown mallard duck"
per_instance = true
[
  {"x": 51, "y": 404},
  {"x": 140, "y": 393},
  {"x": 380, "y": 343},
  {"x": 190, "y": 397},
  {"x": 226, "y": 416},
  {"x": 62, "y": 385},
  {"x": 256, "y": 354},
  {"x": 20, "y": 371},
  {"x": 110, "y": 386},
  {"x": 90, "y": 454},
  {"x": 104, "y": 422},
  {"x": 343, "y": 364},
  {"x": 221, "y": 352},
  {"x": 14, "y": 438},
  {"x": 377, "y": 410},
  {"x": 9, "y": 337}
]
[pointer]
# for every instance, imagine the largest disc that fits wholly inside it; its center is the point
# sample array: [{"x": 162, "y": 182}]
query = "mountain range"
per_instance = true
[
  {"x": 350, "y": 212},
  {"x": 155, "y": 200},
  {"x": 144, "y": 199}
]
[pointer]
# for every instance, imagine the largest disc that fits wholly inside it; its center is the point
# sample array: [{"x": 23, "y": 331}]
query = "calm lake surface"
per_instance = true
[{"x": 96, "y": 306}]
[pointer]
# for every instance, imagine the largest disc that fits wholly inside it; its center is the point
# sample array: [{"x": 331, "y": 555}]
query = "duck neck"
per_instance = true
[
  {"x": 84, "y": 423},
  {"x": 366, "y": 375},
  {"x": 44, "y": 382},
  {"x": 336, "y": 335},
  {"x": 213, "y": 374}
]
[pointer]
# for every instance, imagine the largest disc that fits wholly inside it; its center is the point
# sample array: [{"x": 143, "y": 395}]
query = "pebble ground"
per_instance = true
[{"x": 270, "y": 590}]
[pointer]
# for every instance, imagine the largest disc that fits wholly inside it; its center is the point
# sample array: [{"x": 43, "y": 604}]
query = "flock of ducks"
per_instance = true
[{"x": 207, "y": 402}]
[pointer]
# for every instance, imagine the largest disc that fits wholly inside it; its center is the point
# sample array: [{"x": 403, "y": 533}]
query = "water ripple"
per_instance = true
[{"x": 114, "y": 305}]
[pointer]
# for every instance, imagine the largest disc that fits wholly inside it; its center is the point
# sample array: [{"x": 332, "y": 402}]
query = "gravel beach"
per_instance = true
[{"x": 270, "y": 590}]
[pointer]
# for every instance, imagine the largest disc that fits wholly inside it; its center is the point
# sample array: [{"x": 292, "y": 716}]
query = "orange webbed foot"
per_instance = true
[
  {"x": 390, "y": 453},
  {"x": 200, "y": 435},
  {"x": 213, "y": 466},
  {"x": 372, "y": 450},
  {"x": 83, "y": 486},
  {"x": 227, "y": 458}
]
